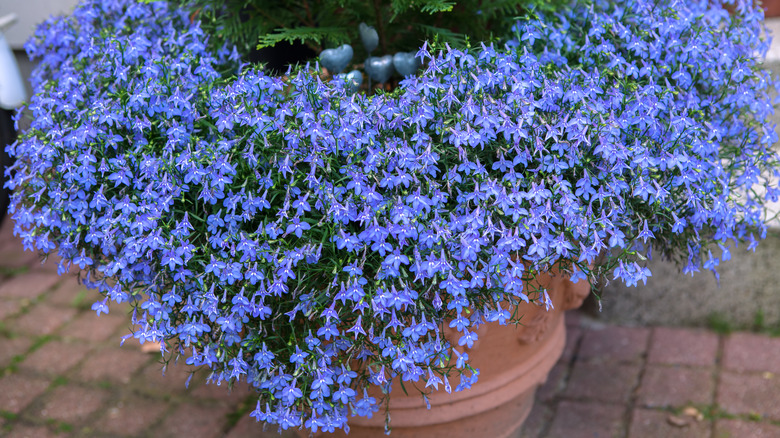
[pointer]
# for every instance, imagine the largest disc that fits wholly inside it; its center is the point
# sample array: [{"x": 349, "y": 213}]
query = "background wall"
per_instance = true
[
  {"x": 748, "y": 294},
  {"x": 30, "y": 12},
  {"x": 749, "y": 291}
]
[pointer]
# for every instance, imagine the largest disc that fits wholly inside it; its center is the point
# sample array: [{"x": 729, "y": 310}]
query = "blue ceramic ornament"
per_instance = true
[
  {"x": 369, "y": 36},
  {"x": 354, "y": 80},
  {"x": 405, "y": 63},
  {"x": 336, "y": 60},
  {"x": 379, "y": 69}
]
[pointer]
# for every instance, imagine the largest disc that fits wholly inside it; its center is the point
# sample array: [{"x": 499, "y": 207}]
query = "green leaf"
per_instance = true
[
  {"x": 444, "y": 35},
  {"x": 335, "y": 35},
  {"x": 437, "y": 6}
]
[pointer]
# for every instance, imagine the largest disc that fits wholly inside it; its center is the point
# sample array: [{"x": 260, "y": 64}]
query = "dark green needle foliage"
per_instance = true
[{"x": 402, "y": 25}]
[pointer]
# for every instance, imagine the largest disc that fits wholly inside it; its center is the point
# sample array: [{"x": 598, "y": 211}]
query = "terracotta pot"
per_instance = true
[{"x": 513, "y": 361}]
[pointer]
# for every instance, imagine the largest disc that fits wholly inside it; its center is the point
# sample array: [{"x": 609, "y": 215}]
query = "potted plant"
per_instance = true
[{"x": 330, "y": 244}]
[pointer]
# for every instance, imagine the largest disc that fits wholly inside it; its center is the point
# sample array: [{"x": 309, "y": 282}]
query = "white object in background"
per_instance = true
[
  {"x": 773, "y": 26},
  {"x": 12, "y": 92},
  {"x": 30, "y": 13}
]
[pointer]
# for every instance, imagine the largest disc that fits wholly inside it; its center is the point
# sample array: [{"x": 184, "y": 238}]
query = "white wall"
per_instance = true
[{"x": 31, "y": 12}]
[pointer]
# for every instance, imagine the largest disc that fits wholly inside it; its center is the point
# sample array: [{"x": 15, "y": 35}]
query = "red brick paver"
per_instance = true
[
  {"x": 17, "y": 391},
  {"x": 23, "y": 431},
  {"x": 113, "y": 364},
  {"x": 236, "y": 394},
  {"x": 132, "y": 415},
  {"x": 152, "y": 381},
  {"x": 538, "y": 420},
  {"x": 43, "y": 320},
  {"x": 69, "y": 292},
  {"x": 610, "y": 382},
  {"x": 650, "y": 423},
  {"x": 676, "y": 346},
  {"x": 194, "y": 421},
  {"x": 71, "y": 403},
  {"x": 248, "y": 427},
  {"x": 55, "y": 357},
  {"x": 731, "y": 428},
  {"x": 557, "y": 381},
  {"x": 665, "y": 386},
  {"x": 752, "y": 352},
  {"x": 88, "y": 327},
  {"x": 8, "y": 308},
  {"x": 750, "y": 394},
  {"x": 15, "y": 258},
  {"x": 587, "y": 420},
  {"x": 30, "y": 285},
  {"x": 573, "y": 338},
  {"x": 652, "y": 382},
  {"x": 12, "y": 347},
  {"x": 621, "y": 344}
]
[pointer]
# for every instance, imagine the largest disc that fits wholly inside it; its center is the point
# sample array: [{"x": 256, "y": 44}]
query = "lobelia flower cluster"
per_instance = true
[{"x": 315, "y": 243}]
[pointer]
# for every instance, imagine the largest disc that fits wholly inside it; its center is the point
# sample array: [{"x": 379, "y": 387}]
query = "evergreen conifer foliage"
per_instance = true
[{"x": 320, "y": 24}]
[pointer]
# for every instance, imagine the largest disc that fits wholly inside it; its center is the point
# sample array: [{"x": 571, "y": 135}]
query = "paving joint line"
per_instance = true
[{"x": 628, "y": 416}]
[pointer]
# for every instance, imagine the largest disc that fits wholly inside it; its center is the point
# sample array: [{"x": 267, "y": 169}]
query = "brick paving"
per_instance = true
[
  {"x": 64, "y": 374},
  {"x": 648, "y": 382}
]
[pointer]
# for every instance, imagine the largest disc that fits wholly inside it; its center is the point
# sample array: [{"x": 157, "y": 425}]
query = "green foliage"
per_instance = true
[
  {"x": 719, "y": 324},
  {"x": 759, "y": 322},
  {"x": 402, "y": 24},
  {"x": 80, "y": 301},
  {"x": 59, "y": 381},
  {"x": 7, "y": 271},
  {"x": 246, "y": 406},
  {"x": 8, "y": 415},
  {"x": 304, "y": 34}
]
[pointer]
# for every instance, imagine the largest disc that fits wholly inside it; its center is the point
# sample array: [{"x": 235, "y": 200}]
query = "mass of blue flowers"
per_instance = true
[{"x": 316, "y": 242}]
